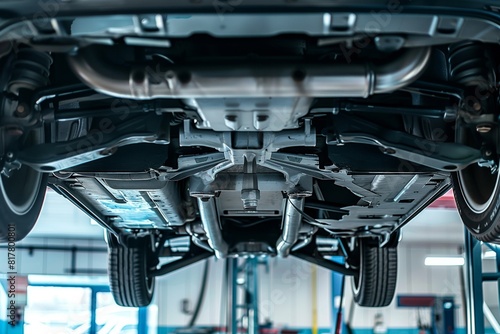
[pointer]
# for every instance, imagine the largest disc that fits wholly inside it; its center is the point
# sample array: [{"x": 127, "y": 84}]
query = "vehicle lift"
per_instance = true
[
  {"x": 242, "y": 301},
  {"x": 477, "y": 310}
]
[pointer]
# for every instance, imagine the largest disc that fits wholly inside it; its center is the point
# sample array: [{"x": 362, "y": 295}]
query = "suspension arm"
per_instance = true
[{"x": 97, "y": 144}]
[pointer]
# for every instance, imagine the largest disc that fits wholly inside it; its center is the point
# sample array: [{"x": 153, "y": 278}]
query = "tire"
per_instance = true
[
  {"x": 21, "y": 201},
  {"x": 477, "y": 194},
  {"x": 130, "y": 284},
  {"x": 375, "y": 283}
]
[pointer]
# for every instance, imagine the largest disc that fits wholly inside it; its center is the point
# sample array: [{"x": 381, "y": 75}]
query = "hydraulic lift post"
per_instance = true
[{"x": 242, "y": 310}]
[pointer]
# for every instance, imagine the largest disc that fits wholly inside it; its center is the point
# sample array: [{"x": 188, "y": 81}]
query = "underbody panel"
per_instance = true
[{"x": 253, "y": 128}]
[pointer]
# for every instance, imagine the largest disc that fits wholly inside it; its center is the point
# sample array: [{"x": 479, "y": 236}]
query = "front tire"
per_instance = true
[
  {"x": 477, "y": 192},
  {"x": 130, "y": 282},
  {"x": 21, "y": 201},
  {"x": 375, "y": 283},
  {"x": 477, "y": 195}
]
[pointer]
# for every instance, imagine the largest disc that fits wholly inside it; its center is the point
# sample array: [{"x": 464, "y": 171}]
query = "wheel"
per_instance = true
[
  {"x": 21, "y": 200},
  {"x": 477, "y": 195},
  {"x": 375, "y": 283},
  {"x": 130, "y": 283}
]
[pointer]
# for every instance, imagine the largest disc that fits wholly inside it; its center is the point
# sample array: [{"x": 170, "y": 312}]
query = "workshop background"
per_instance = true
[{"x": 65, "y": 262}]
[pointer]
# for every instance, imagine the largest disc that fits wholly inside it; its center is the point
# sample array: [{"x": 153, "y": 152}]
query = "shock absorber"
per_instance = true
[
  {"x": 30, "y": 70},
  {"x": 471, "y": 65}
]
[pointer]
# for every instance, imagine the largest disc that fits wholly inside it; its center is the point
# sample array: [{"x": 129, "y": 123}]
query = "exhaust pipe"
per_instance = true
[
  {"x": 249, "y": 80},
  {"x": 210, "y": 221},
  {"x": 291, "y": 226}
]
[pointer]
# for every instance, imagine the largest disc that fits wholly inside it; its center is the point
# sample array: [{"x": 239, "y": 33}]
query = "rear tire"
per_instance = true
[
  {"x": 130, "y": 282},
  {"x": 21, "y": 197},
  {"x": 375, "y": 283}
]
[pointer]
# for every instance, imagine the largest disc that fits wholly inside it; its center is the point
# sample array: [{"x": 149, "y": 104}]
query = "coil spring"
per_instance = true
[
  {"x": 177, "y": 118},
  {"x": 471, "y": 65},
  {"x": 30, "y": 70}
]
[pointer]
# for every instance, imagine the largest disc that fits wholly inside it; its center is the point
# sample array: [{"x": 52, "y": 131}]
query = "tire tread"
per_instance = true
[
  {"x": 379, "y": 276},
  {"x": 128, "y": 276}
]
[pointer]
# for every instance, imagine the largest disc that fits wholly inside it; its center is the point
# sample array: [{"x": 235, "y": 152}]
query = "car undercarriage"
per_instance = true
[{"x": 265, "y": 133}]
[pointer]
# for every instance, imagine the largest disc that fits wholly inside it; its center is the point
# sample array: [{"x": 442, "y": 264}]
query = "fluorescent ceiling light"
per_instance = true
[
  {"x": 489, "y": 254},
  {"x": 444, "y": 261}
]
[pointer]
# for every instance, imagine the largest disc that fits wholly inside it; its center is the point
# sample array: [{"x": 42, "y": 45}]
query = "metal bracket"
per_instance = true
[
  {"x": 442, "y": 156},
  {"x": 10, "y": 166},
  {"x": 262, "y": 147},
  {"x": 194, "y": 255},
  {"x": 98, "y": 144},
  {"x": 492, "y": 165},
  {"x": 447, "y": 157},
  {"x": 319, "y": 260}
]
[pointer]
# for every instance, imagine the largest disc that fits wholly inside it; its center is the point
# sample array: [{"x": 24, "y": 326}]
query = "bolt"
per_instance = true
[
  {"x": 250, "y": 205},
  {"x": 476, "y": 106},
  {"x": 250, "y": 198},
  {"x": 388, "y": 150},
  {"x": 109, "y": 151},
  {"x": 22, "y": 110},
  {"x": 483, "y": 128},
  {"x": 9, "y": 155}
]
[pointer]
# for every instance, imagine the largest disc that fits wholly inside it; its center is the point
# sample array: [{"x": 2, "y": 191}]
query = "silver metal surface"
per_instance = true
[
  {"x": 447, "y": 157},
  {"x": 250, "y": 194},
  {"x": 342, "y": 26},
  {"x": 302, "y": 243},
  {"x": 211, "y": 225},
  {"x": 401, "y": 72},
  {"x": 291, "y": 226},
  {"x": 235, "y": 155},
  {"x": 251, "y": 249},
  {"x": 228, "y": 188},
  {"x": 388, "y": 200},
  {"x": 250, "y": 114},
  {"x": 249, "y": 80},
  {"x": 162, "y": 196},
  {"x": 169, "y": 203},
  {"x": 307, "y": 232},
  {"x": 201, "y": 243}
]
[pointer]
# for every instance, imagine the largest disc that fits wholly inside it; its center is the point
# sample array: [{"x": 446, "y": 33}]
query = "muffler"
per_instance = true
[{"x": 249, "y": 80}]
